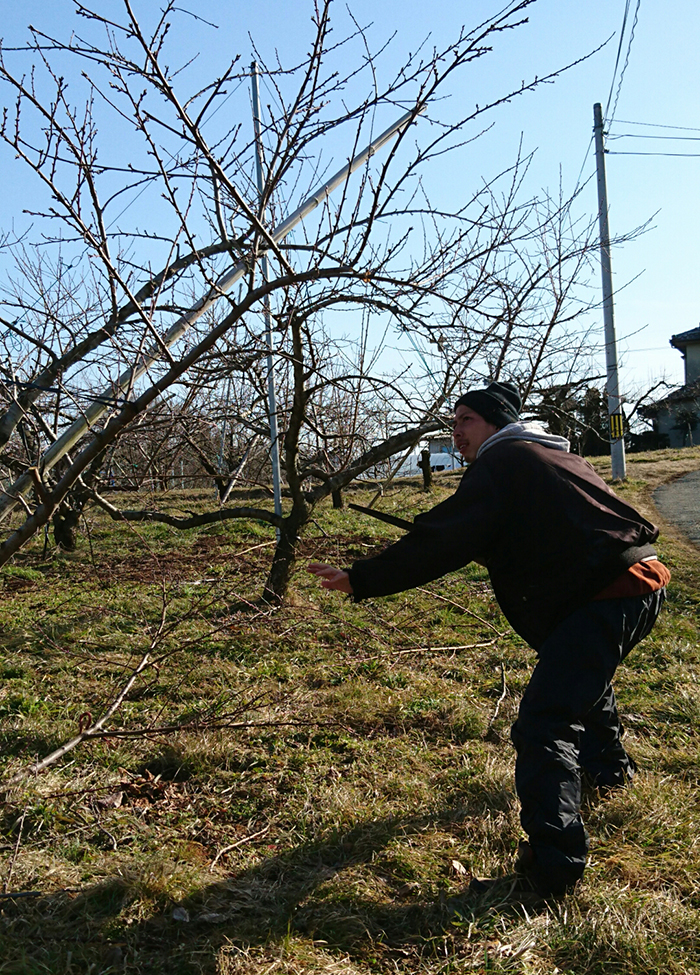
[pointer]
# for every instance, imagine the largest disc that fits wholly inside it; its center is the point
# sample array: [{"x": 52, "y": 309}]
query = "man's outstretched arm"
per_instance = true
[{"x": 331, "y": 578}]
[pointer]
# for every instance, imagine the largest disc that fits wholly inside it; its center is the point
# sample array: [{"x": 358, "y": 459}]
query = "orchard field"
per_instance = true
[{"x": 309, "y": 789}]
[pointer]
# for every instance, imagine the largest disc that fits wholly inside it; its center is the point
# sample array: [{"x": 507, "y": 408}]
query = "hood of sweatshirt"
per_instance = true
[{"x": 528, "y": 430}]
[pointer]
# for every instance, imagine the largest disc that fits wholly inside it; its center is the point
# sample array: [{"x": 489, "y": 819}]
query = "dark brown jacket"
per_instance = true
[{"x": 546, "y": 526}]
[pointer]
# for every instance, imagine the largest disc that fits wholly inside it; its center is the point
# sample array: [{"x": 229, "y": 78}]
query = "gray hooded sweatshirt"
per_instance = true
[
  {"x": 529, "y": 430},
  {"x": 548, "y": 529}
]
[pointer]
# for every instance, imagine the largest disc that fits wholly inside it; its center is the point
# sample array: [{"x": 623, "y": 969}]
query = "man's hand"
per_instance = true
[{"x": 331, "y": 578}]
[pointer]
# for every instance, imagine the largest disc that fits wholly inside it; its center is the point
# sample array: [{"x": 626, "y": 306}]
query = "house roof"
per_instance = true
[
  {"x": 683, "y": 339},
  {"x": 685, "y": 394}
]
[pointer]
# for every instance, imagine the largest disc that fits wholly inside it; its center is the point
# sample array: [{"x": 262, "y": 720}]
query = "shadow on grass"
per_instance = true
[
  {"x": 27, "y": 744},
  {"x": 314, "y": 890}
]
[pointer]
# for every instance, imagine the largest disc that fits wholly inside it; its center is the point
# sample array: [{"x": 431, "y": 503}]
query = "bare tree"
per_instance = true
[{"x": 108, "y": 323}]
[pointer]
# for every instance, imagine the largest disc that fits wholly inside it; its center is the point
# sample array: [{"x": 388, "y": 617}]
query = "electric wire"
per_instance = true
[
  {"x": 653, "y": 348},
  {"x": 115, "y": 401},
  {"x": 659, "y": 125},
  {"x": 664, "y": 138},
  {"x": 667, "y": 138},
  {"x": 580, "y": 172},
  {"x": 619, "y": 52},
  {"x": 624, "y": 67},
  {"x": 621, "y": 152}
]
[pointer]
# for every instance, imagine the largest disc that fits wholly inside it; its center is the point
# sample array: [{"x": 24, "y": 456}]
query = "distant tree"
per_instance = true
[
  {"x": 687, "y": 420},
  {"x": 578, "y": 412}
]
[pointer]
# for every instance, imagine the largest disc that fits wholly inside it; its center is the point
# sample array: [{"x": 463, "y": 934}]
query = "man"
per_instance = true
[{"x": 574, "y": 571}]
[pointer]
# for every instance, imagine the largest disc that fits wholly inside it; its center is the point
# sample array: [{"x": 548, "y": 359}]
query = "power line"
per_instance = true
[
  {"x": 172, "y": 157},
  {"x": 627, "y": 58},
  {"x": 669, "y": 138},
  {"x": 653, "y": 348},
  {"x": 614, "y": 152},
  {"x": 585, "y": 160},
  {"x": 619, "y": 52},
  {"x": 73, "y": 394},
  {"x": 229, "y": 95},
  {"x": 659, "y": 125}
]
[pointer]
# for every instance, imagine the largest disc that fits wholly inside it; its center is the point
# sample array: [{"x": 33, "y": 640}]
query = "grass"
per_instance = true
[{"x": 335, "y": 832}]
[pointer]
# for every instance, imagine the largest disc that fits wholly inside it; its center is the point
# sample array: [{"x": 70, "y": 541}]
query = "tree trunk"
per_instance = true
[
  {"x": 424, "y": 464},
  {"x": 338, "y": 499},
  {"x": 65, "y": 527},
  {"x": 284, "y": 559}
]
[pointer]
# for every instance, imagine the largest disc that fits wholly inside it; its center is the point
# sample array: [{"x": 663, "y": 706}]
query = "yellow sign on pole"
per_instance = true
[{"x": 617, "y": 426}]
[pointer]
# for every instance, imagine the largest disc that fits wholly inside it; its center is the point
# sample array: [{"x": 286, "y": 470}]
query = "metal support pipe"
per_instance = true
[
  {"x": 617, "y": 443},
  {"x": 264, "y": 270},
  {"x": 9, "y": 498}
]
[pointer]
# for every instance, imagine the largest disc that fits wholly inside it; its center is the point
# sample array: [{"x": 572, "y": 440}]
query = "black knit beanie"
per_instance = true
[{"x": 499, "y": 403}]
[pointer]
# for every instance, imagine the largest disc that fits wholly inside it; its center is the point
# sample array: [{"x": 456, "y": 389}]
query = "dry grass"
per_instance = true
[{"x": 337, "y": 832}]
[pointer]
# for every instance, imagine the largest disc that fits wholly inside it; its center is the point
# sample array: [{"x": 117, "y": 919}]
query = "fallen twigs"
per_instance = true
[
  {"x": 431, "y": 649},
  {"x": 151, "y": 659},
  {"x": 83, "y": 734},
  {"x": 207, "y": 726},
  {"x": 463, "y": 609},
  {"x": 504, "y": 691},
  {"x": 95, "y": 732},
  {"x": 234, "y": 846},
  {"x": 10, "y": 871}
]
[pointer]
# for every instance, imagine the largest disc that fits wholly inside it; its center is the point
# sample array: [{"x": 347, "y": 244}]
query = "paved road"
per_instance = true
[{"x": 679, "y": 503}]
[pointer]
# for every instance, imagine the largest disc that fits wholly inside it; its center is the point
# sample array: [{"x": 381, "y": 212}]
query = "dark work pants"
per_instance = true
[{"x": 568, "y": 724}]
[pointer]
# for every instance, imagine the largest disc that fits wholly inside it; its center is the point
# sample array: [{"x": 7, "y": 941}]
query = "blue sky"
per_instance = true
[{"x": 656, "y": 276}]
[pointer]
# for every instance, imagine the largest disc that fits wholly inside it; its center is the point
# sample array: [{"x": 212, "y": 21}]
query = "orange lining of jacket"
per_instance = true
[{"x": 639, "y": 580}]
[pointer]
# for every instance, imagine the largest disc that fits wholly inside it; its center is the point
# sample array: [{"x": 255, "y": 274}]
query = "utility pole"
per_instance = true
[
  {"x": 616, "y": 419},
  {"x": 271, "y": 395}
]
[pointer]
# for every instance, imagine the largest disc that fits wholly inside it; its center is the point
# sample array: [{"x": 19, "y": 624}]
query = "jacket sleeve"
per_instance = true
[{"x": 448, "y": 537}]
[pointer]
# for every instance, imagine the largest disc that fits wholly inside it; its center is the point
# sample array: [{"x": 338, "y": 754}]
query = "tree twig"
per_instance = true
[
  {"x": 466, "y": 646},
  {"x": 8, "y": 878},
  {"x": 91, "y": 731},
  {"x": 504, "y": 691},
  {"x": 172, "y": 729},
  {"x": 464, "y": 609},
  {"x": 233, "y": 846}
]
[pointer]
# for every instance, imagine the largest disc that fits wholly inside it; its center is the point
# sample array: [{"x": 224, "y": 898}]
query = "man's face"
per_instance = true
[{"x": 469, "y": 431}]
